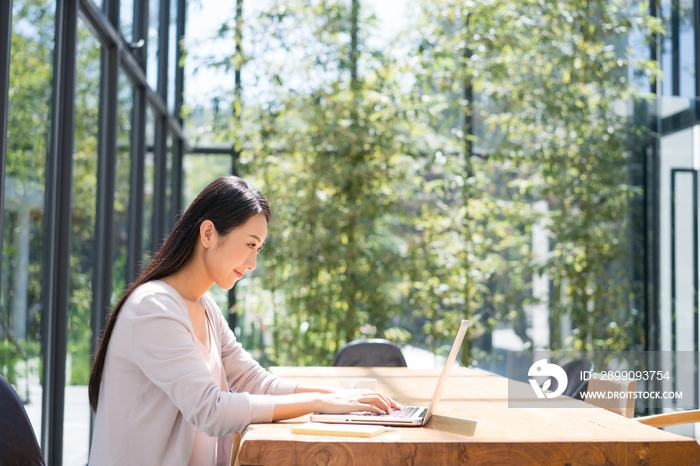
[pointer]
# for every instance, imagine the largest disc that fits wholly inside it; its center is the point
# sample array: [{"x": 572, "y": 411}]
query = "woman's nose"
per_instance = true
[{"x": 252, "y": 261}]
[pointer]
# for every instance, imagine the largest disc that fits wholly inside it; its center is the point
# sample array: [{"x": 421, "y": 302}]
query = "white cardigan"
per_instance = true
[{"x": 155, "y": 390}]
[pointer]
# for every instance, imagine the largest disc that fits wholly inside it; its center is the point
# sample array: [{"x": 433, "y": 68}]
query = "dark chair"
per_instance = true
[
  {"x": 18, "y": 445},
  {"x": 574, "y": 373},
  {"x": 370, "y": 353}
]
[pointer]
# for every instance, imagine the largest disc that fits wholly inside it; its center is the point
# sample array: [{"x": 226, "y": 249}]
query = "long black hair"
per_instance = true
[{"x": 228, "y": 203}]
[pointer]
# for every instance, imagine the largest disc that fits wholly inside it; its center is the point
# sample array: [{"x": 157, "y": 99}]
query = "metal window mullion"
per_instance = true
[
  {"x": 696, "y": 277},
  {"x": 159, "y": 108},
  {"x": 179, "y": 70},
  {"x": 159, "y": 183},
  {"x": 177, "y": 180},
  {"x": 653, "y": 43},
  {"x": 178, "y": 143},
  {"x": 237, "y": 112},
  {"x": 111, "y": 8},
  {"x": 5, "y": 52},
  {"x": 140, "y": 31},
  {"x": 138, "y": 145},
  {"x": 650, "y": 324},
  {"x": 106, "y": 168},
  {"x": 137, "y": 180},
  {"x": 235, "y": 156},
  {"x": 673, "y": 261},
  {"x": 108, "y": 35},
  {"x": 232, "y": 316},
  {"x": 163, "y": 39},
  {"x": 161, "y": 149},
  {"x": 57, "y": 231},
  {"x": 238, "y": 39},
  {"x": 655, "y": 207},
  {"x": 656, "y": 257},
  {"x": 100, "y": 24},
  {"x": 214, "y": 151},
  {"x": 696, "y": 17},
  {"x": 675, "y": 47}
]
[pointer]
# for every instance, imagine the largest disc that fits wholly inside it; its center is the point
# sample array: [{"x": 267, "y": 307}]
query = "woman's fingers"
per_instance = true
[
  {"x": 371, "y": 408},
  {"x": 361, "y": 400},
  {"x": 380, "y": 400},
  {"x": 376, "y": 399},
  {"x": 389, "y": 402},
  {"x": 393, "y": 404}
]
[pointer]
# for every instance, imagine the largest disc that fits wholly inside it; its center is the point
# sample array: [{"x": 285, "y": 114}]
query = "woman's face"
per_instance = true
[{"x": 229, "y": 257}]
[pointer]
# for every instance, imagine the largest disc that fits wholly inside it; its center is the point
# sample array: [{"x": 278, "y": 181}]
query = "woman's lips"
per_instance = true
[{"x": 240, "y": 275}]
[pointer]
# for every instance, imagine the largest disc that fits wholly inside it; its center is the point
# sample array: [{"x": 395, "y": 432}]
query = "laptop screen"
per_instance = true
[{"x": 446, "y": 370}]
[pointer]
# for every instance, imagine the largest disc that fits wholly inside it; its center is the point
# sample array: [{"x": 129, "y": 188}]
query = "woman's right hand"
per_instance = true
[
  {"x": 336, "y": 402},
  {"x": 347, "y": 401}
]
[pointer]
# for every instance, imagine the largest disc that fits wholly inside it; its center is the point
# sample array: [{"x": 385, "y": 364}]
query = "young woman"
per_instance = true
[{"x": 170, "y": 383}]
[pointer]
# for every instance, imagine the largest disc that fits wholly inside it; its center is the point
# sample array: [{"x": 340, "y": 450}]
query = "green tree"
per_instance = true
[
  {"x": 28, "y": 120},
  {"x": 84, "y": 194},
  {"x": 550, "y": 78},
  {"x": 403, "y": 179},
  {"x": 328, "y": 151}
]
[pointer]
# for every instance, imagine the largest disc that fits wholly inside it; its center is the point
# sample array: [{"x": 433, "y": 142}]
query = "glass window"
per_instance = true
[
  {"x": 687, "y": 49},
  {"x": 33, "y": 27},
  {"x": 169, "y": 223},
  {"x": 172, "y": 61},
  {"x": 209, "y": 89},
  {"x": 153, "y": 22},
  {"x": 84, "y": 199},
  {"x": 126, "y": 19},
  {"x": 640, "y": 49},
  {"x": 149, "y": 181},
  {"x": 667, "y": 50},
  {"x": 122, "y": 189},
  {"x": 201, "y": 169}
]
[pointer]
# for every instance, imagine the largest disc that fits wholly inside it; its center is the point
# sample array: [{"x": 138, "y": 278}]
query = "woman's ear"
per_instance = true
[{"x": 207, "y": 232}]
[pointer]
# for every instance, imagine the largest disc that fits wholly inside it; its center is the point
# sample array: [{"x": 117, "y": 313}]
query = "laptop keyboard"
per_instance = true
[
  {"x": 399, "y": 413},
  {"x": 406, "y": 412}
]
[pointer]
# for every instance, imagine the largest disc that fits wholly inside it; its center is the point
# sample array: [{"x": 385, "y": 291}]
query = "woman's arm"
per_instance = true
[
  {"x": 308, "y": 388},
  {"x": 336, "y": 402},
  {"x": 243, "y": 373}
]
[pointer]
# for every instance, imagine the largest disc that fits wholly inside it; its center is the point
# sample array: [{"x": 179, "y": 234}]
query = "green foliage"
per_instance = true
[
  {"x": 30, "y": 95},
  {"x": 404, "y": 180},
  {"x": 28, "y": 113},
  {"x": 402, "y": 202},
  {"x": 551, "y": 78},
  {"x": 123, "y": 190},
  {"x": 83, "y": 204},
  {"x": 332, "y": 162}
]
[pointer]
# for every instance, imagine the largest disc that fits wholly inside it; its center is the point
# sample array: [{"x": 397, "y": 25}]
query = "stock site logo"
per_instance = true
[{"x": 542, "y": 369}]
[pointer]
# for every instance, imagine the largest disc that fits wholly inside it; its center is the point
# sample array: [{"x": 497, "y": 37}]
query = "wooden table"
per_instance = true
[{"x": 472, "y": 425}]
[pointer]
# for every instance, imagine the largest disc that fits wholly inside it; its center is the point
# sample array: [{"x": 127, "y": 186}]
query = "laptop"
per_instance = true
[{"x": 409, "y": 416}]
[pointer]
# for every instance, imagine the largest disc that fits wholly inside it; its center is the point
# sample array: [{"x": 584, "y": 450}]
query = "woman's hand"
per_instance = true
[
  {"x": 332, "y": 402},
  {"x": 347, "y": 401}
]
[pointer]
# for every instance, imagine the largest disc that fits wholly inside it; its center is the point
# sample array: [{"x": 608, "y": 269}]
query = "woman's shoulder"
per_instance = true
[{"x": 154, "y": 295}]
